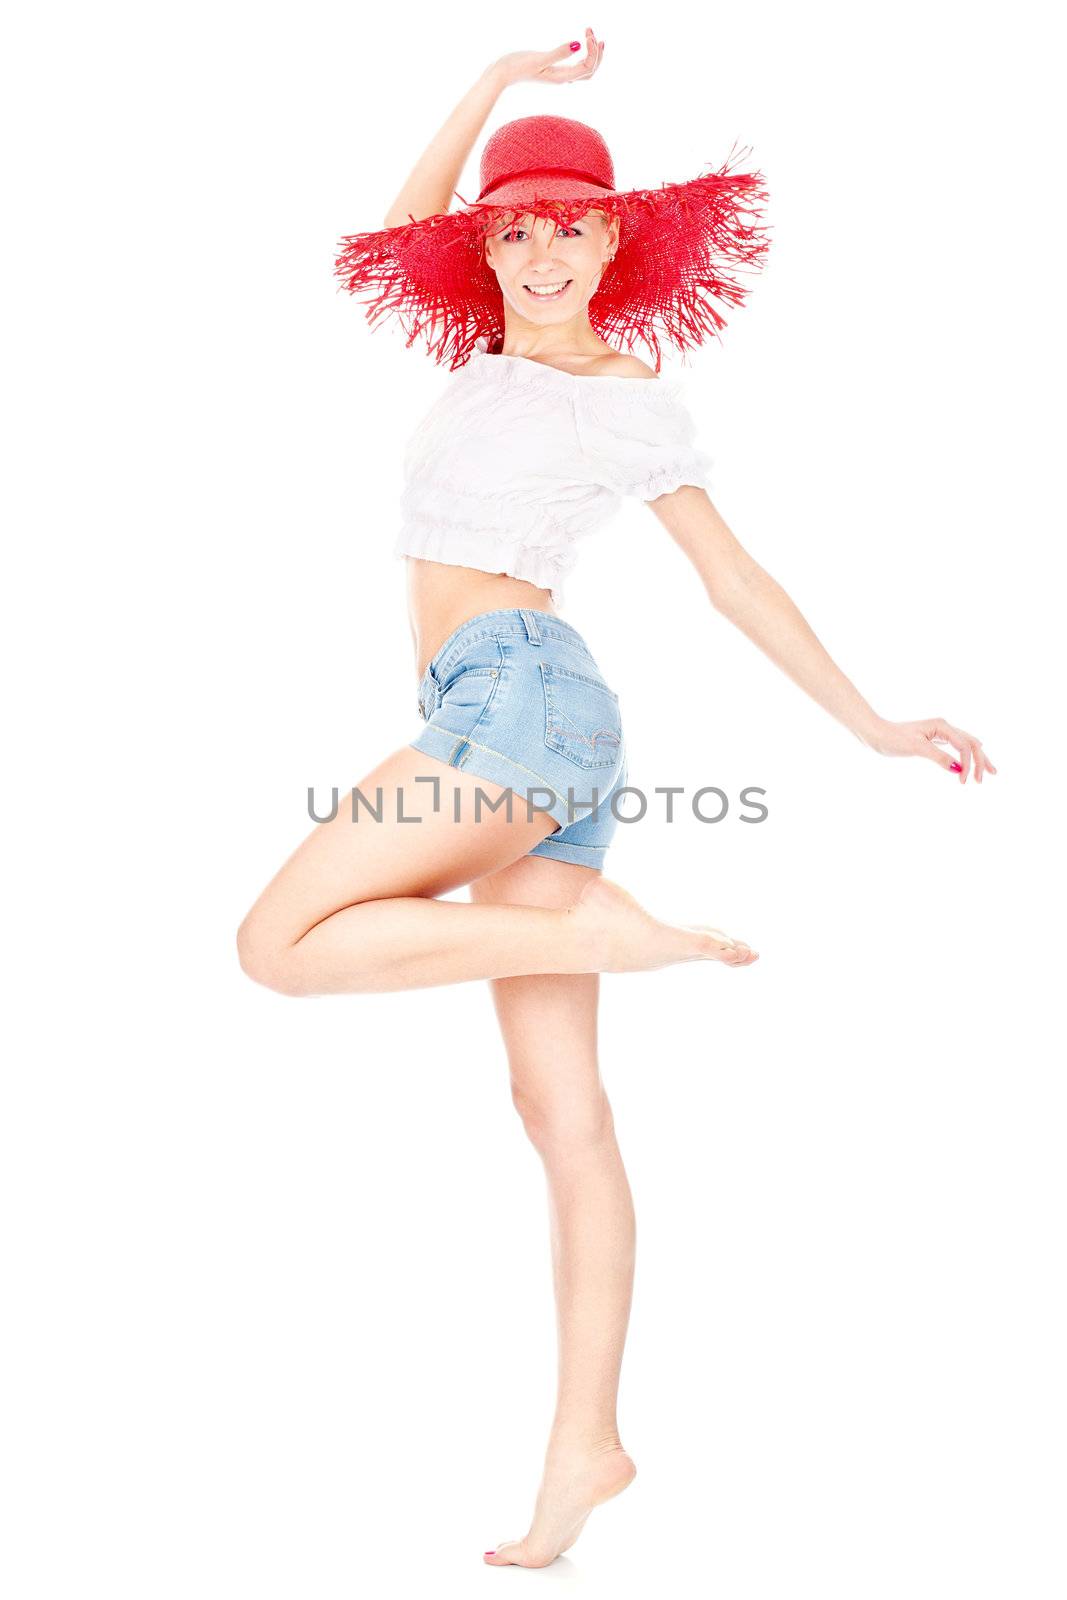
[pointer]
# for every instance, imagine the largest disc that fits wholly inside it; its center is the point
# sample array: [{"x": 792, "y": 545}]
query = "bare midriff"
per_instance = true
[{"x": 441, "y": 597}]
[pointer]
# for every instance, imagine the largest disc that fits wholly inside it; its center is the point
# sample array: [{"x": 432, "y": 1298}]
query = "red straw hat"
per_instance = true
[{"x": 677, "y": 245}]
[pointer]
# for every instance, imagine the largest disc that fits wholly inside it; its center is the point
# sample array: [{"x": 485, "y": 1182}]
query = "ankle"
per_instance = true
[
  {"x": 574, "y": 1440},
  {"x": 580, "y": 949},
  {"x": 594, "y": 940}
]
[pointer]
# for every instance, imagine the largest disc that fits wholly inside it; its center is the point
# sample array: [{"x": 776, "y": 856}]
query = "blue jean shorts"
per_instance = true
[{"x": 516, "y": 697}]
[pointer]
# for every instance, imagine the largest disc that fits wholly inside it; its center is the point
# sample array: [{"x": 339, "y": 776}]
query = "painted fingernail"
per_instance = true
[
  {"x": 574, "y": 46},
  {"x": 956, "y": 767}
]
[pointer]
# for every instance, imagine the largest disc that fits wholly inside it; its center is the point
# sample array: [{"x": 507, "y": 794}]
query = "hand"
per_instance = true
[
  {"x": 543, "y": 66},
  {"x": 922, "y": 739}
]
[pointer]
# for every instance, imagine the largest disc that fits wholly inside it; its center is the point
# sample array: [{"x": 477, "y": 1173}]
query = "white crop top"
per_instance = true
[{"x": 516, "y": 461}]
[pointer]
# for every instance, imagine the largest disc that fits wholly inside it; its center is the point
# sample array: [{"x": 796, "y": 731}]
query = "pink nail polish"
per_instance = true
[
  {"x": 574, "y": 46},
  {"x": 956, "y": 767}
]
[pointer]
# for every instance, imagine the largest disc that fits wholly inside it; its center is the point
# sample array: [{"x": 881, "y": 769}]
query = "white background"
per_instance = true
[{"x": 279, "y": 1315}]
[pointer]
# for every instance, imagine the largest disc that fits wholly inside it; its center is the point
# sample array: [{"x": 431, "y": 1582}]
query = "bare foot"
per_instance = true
[
  {"x": 621, "y": 936},
  {"x": 572, "y": 1485}
]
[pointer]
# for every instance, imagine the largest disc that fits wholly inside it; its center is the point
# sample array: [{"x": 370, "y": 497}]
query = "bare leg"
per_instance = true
[
  {"x": 354, "y": 909},
  {"x": 549, "y": 1024}
]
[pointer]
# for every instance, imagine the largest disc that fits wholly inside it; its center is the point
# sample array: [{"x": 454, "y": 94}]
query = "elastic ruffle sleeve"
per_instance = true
[{"x": 638, "y": 437}]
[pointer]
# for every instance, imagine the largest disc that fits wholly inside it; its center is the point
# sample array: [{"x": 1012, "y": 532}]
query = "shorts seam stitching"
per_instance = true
[{"x": 512, "y": 762}]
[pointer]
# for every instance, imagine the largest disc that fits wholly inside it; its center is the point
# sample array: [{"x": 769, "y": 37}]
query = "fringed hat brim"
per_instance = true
[{"x": 680, "y": 246}]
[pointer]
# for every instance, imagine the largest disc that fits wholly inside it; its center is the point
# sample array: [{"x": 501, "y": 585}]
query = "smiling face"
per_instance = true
[{"x": 547, "y": 277}]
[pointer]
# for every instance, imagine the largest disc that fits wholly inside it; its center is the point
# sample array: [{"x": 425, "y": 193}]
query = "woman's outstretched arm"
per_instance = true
[
  {"x": 749, "y": 597},
  {"x": 432, "y": 182}
]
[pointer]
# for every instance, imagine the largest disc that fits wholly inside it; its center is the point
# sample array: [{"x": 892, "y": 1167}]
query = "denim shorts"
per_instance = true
[{"x": 516, "y": 697}]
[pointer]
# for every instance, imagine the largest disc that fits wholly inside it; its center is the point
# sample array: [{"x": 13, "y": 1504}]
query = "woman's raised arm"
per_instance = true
[
  {"x": 432, "y": 182},
  {"x": 740, "y": 589}
]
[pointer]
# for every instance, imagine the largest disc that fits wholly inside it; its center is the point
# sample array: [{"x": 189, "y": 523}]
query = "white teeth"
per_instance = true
[{"x": 547, "y": 289}]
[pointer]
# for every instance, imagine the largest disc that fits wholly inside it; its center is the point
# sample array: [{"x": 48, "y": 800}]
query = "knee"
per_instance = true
[
  {"x": 558, "y": 1123},
  {"x": 267, "y": 962}
]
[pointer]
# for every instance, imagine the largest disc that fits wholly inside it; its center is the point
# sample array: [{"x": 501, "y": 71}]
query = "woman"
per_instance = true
[{"x": 529, "y": 448}]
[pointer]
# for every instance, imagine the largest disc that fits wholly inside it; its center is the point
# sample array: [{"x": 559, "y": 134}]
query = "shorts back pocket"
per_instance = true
[{"x": 582, "y": 717}]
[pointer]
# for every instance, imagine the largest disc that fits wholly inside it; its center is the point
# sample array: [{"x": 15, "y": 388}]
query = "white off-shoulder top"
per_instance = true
[{"x": 516, "y": 461}]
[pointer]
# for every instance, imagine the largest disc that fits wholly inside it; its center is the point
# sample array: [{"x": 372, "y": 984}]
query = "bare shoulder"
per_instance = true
[{"x": 624, "y": 366}]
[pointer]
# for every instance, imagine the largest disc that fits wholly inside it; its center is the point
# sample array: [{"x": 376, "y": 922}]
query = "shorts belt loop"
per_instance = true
[{"x": 532, "y": 631}]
